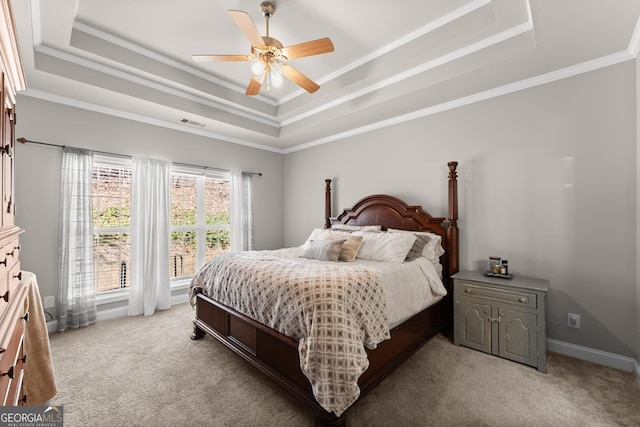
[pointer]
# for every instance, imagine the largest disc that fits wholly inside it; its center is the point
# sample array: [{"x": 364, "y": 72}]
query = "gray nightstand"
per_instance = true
[{"x": 505, "y": 317}]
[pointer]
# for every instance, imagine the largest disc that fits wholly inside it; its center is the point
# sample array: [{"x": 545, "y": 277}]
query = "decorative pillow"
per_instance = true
[
  {"x": 347, "y": 227},
  {"x": 350, "y": 247},
  {"x": 324, "y": 250},
  {"x": 386, "y": 247},
  {"x": 432, "y": 250},
  {"x": 418, "y": 246}
]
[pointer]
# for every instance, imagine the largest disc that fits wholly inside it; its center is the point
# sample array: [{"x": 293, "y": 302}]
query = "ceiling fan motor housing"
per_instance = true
[{"x": 268, "y": 9}]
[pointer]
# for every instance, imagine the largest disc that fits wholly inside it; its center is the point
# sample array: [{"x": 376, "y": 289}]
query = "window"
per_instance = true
[
  {"x": 200, "y": 219},
  {"x": 199, "y": 212},
  {"x": 111, "y": 190}
]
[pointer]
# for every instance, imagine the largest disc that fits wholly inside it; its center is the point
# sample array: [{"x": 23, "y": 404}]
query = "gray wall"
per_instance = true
[
  {"x": 547, "y": 181},
  {"x": 637, "y": 112},
  {"x": 38, "y": 173}
]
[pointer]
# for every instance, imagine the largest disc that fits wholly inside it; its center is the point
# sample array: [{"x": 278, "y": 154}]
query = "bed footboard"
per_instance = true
[
  {"x": 273, "y": 353},
  {"x": 276, "y": 355}
]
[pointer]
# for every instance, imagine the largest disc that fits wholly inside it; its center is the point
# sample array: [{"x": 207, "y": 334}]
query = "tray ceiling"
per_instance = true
[{"x": 392, "y": 62}]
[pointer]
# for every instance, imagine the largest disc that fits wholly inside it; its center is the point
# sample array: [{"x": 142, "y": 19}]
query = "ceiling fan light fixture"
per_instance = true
[
  {"x": 257, "y": 66},
  {"x": 268, "y": 58},
  {"x": 276, "y": 77}
]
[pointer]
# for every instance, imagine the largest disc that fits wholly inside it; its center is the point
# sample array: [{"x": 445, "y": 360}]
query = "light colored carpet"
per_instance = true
[{"x": 146, "y": 371}]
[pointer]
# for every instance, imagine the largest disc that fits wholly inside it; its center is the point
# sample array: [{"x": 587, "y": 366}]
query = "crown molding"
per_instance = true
[
  {"x": 11, "y": 60},
  {"x": 71, "y": 102},
  {"x": 542, "y": 79}
]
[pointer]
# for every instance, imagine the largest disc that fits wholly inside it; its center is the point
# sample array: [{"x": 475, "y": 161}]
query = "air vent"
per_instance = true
[{"x": 192, "y": 123}]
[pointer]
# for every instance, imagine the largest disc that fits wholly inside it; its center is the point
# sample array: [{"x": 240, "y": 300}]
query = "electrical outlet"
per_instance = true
[
  {"x": 573, "y": 320},
  {"x": 49, "y": 302}
]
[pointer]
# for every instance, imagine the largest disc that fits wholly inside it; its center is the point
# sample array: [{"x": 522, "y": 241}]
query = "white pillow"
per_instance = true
[
  {"x": 323, "y": 234},
  {"x": 386, "y": 247}
]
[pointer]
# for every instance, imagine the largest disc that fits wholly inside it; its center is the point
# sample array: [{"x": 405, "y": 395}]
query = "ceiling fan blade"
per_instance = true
[
  {"x": 298, "y": 78},
  {"x": 254, "y": 86},
  {"x": 314, "y": 47},
  {"x": 246, "y": 25},
  {"x": 207, "y": 58}
]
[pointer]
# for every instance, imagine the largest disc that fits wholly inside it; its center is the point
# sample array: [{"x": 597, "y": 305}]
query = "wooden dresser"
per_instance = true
[{"x": 13, "y": 293}]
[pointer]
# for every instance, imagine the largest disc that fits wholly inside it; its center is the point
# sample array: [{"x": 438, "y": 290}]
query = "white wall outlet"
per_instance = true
[
  {"x": 49, "y": 302},
  {"x": 573, "y": 320}
]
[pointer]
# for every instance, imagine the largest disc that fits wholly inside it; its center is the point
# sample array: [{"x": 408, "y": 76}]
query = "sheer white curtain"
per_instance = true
[
  {"x": 150, "y": 228},
  {"x": 241, "y": 211},
  {"x": 76, "y": 289}
]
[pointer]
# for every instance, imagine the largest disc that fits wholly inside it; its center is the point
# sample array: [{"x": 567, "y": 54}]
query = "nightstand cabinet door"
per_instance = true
[
  {"x": 475, "y": 325},
  {"x": 517, "y": 337}
]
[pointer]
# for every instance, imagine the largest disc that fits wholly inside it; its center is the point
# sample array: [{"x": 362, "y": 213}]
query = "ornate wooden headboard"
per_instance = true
[{"x": 391, "y": 212}]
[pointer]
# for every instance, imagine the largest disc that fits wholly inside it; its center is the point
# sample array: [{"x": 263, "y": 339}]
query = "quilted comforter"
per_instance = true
[{"x": 334, "y": 310}]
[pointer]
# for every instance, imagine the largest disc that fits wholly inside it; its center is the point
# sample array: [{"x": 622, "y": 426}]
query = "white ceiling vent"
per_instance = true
[{"x": 192, "y": 123}]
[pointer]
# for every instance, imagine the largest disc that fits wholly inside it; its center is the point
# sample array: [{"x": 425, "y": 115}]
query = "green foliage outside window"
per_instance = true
[{"x": 215, "y": 238}]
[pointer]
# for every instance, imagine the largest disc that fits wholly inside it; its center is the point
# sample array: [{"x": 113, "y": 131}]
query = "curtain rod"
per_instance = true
[{"x": 24, "y": 140}]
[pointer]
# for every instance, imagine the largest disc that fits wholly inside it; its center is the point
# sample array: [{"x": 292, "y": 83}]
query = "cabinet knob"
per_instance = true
[
  {"x": 23, "y": 399},
  {"x": 522, "y": 300},
  {"x": 18, "y": 276},
  {"x": 5, "y": 297},
  {"x": 467, "y": 290}
]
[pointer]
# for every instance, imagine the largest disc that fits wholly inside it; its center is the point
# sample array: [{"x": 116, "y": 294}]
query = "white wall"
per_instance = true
[
  {"x": 547, "y": 181},
  {"x": 38, "y": 173}
]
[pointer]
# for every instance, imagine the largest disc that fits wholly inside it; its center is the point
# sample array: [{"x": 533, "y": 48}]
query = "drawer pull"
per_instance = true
[
  {"x": 25, "y": 317},
  {"x": 24, "y": 359},
  {"x": 5, "y": 297},
  {"x": 522, "y": 300},
  {"x": 494, "y": 319},
  {"x": 18, "y": 276},
  {"x": 23, "y": 399},
  {"x": 8, "y": 373},
  {"x": 19, "y": 247},
  {"x": 4, "y": 262},
  {"x": 10, "y": 253}
]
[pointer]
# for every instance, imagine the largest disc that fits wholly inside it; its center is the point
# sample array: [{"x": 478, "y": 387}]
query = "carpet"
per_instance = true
[{"x": 146, "y": 371}]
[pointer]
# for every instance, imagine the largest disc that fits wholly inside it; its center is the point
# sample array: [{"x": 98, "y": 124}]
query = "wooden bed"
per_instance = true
[{"x": 276, "y": 354}]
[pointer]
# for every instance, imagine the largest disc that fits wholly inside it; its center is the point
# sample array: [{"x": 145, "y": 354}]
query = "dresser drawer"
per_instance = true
[
  {"x": 519, "y": 298},
  {"x": 11, "y": 367},
  {"x": 10, "y": 252}
]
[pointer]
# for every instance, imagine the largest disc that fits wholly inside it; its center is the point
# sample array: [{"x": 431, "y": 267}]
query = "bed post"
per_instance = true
[
  {"x": 452, "y": 230},
  {"x": 327, "y": 203}
]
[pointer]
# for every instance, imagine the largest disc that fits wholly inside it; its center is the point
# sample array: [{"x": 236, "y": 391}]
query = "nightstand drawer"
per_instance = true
[{"x": 521, "y": 299}]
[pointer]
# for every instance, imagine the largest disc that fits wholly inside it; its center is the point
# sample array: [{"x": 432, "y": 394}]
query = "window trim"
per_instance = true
[
  {"x": 119, "y": 294},
  {"x": 201, "y": 227}
]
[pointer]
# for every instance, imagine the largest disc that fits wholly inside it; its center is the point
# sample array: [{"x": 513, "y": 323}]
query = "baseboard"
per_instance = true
[
  {"x": 627, "y": 364},
  {"x": 114, "y": 313}
]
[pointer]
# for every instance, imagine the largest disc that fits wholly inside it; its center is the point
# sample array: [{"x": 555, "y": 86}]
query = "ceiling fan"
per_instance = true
[{"x": 269, "y": 59}]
